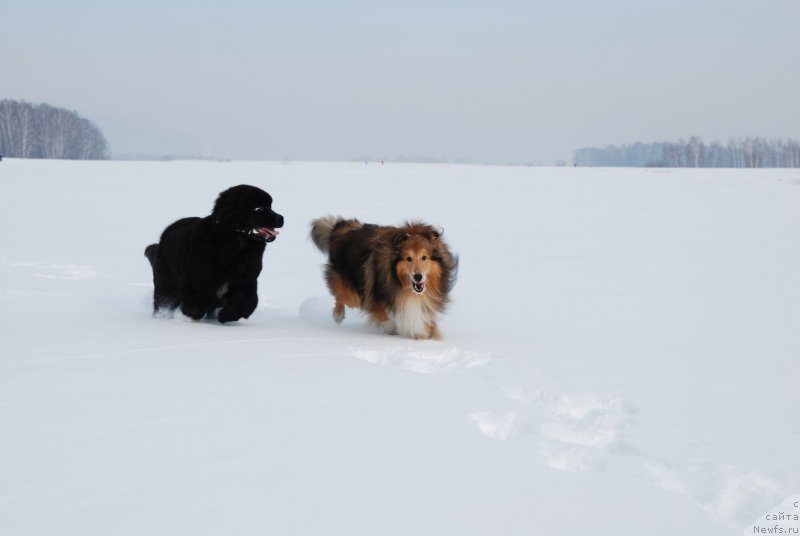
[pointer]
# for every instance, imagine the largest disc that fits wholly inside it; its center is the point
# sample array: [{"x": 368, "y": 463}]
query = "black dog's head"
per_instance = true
[{"x": 248, "y": 210}]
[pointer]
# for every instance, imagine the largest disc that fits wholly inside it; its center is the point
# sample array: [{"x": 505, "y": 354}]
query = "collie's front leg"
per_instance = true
[
  {"x": 380, "y": 317},
  {"x": 389, "y": 327},
  {"x": 433, "y": 332}
]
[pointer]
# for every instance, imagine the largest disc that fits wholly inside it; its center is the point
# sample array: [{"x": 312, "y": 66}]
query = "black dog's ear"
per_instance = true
[{"x": 399, "y": 238}]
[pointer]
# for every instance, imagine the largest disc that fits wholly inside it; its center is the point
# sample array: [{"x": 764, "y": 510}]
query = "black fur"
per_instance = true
[{"x": 205, "y": 264}]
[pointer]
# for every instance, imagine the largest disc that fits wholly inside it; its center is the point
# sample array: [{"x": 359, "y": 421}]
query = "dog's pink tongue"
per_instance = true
[{"x": 266, "y": 231}]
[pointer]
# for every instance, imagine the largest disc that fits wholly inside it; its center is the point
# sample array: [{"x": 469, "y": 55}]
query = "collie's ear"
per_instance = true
[
  {"x": 434, "y": 234},
  {"x": 399, "y": 238}
]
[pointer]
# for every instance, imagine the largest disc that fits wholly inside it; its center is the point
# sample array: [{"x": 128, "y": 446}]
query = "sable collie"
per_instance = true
[{"x": 400, "y": 276}]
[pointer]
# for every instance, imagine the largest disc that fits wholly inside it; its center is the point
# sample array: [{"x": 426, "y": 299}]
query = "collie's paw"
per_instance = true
[
  {"x": 389, "y": 327},
  {"x": 338, "y": 314},
  {"x": 434, "y": 333}
]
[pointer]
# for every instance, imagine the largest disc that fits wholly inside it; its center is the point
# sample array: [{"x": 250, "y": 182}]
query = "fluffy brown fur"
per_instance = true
[{"x": 400, "y": 276}]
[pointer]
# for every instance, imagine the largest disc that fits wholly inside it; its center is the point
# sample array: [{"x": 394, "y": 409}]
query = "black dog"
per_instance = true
[{"x": 204, "y": 264}]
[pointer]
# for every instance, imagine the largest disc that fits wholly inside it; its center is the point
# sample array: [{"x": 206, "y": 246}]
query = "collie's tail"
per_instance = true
[{"x": 321, "y": 230}]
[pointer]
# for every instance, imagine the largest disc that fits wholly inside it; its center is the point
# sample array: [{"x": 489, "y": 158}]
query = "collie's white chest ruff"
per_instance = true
[{"x": 412, "y": 317}]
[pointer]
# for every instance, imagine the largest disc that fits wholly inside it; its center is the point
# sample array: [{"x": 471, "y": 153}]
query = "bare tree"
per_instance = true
[
  {"x": 747, "y": 152},
  {"x": 43, "y": 131}
]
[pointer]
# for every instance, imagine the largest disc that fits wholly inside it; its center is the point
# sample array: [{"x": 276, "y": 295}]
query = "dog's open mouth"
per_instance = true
[
  {"x": 264, "y": 233},
  {"x": 419, "y": 288}
]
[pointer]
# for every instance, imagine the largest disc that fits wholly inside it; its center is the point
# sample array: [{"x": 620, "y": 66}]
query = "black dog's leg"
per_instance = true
[
  {"x": 165, "y": 296},
  {"x": 195, "y": 304},
  {"x": 165, "y": 291},
  {"x": 240, "y": 302}
]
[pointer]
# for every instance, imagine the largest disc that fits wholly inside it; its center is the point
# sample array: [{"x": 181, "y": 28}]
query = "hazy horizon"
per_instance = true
[{"x": 506, "y": 83}]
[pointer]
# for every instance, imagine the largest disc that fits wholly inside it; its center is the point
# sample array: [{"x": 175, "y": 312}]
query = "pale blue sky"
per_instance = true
[{"x": 500, "y": 81}]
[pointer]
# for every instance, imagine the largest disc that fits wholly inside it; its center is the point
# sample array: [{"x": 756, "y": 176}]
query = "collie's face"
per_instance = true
[{"x": 415, "y": 269}]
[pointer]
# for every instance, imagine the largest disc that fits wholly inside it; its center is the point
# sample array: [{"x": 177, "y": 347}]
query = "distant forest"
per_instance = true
[
  {"x": 740, "y": 153},
  {"x": 43, "y": 131}
]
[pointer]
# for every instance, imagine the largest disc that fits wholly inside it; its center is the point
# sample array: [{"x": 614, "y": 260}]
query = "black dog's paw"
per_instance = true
[
  {"x": 232, "y": 313},
  {"x": 227, "y": 315},
  {"x": 193, "y": 312}
]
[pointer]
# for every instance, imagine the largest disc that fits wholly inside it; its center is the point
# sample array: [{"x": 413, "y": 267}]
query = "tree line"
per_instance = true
[
  {"x": 737, "y": 153},
  {"x": 43, "y": 131}
]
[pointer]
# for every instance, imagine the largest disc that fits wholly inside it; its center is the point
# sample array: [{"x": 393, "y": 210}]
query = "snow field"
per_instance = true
[{"x": 620, "y": 356}]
